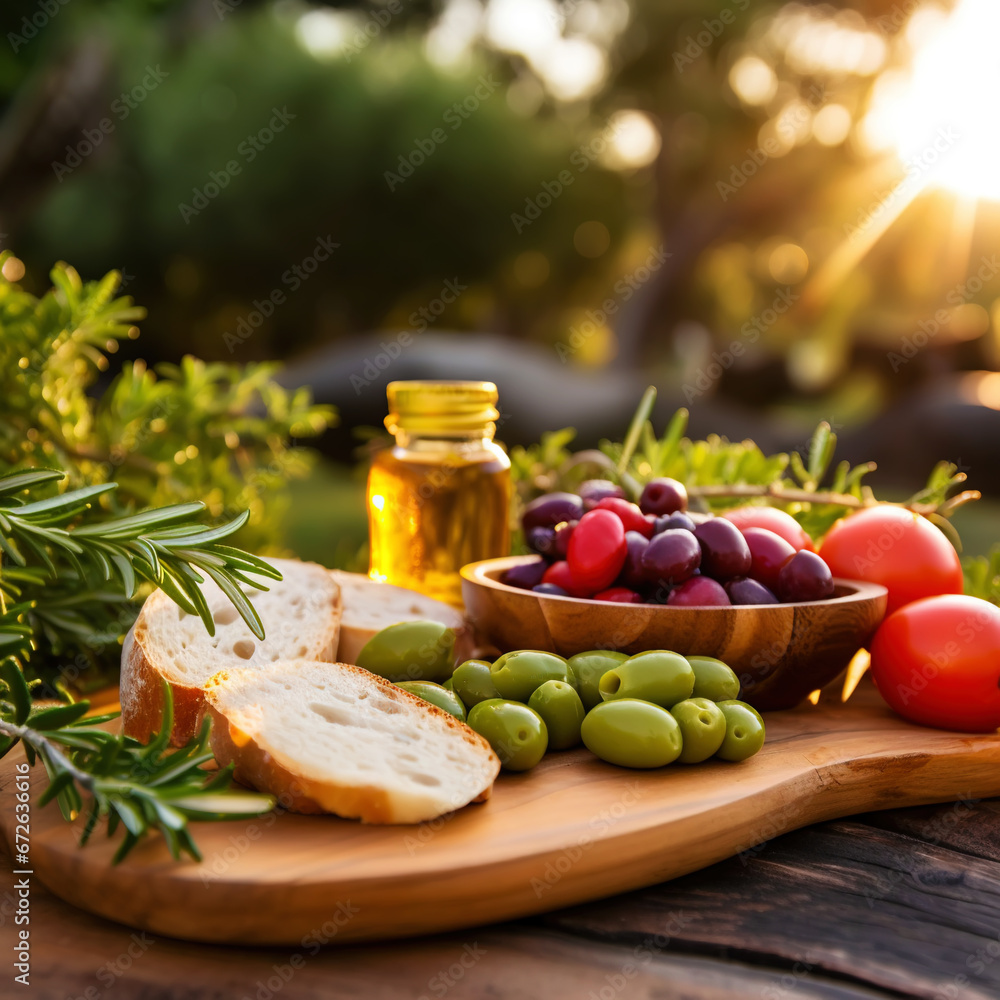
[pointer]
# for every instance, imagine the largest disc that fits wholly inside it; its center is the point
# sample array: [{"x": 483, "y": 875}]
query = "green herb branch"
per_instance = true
[
  {"x": 166, "y": 547},
  {"x": 719, "y": 473},
  {"x": 143, "y": 788}
]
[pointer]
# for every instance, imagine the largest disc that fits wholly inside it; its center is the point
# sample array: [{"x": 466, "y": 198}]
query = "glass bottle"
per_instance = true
[{"x": 438, "y": 498}]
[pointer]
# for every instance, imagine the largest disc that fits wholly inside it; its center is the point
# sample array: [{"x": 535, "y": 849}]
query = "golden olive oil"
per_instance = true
[{"x": 440, "y": 497}]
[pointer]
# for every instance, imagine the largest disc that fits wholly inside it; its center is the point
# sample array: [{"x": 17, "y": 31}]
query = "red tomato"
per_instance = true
[
  {"x": 899, "y": 549},
  {"x": 937, "y": 662},
  {"x": 771, "y": 519},
  {"x": 561, "y": 575},
  {"x": 619, "y": 595},
  {"x": 631, "y": 517},
  {"x": 597, "y": 550}
]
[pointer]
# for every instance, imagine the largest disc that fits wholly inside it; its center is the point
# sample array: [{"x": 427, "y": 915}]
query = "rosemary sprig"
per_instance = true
[
  {"x": 165, "y": 546},
  {"x": 143, "y": 788}
]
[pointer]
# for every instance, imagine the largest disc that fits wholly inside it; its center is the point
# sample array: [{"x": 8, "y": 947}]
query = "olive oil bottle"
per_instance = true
[{"x": 438, "y": 498}]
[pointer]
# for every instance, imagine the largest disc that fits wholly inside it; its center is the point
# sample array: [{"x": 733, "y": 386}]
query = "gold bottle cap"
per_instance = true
[{"x": 442, "y": 407}]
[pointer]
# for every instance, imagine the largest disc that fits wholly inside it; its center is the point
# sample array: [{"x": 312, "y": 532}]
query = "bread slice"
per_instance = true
[
  {"x": 301, "y": 617},
  {"x": 370, "y": 606},
  {"x": 335, "y": 738}
]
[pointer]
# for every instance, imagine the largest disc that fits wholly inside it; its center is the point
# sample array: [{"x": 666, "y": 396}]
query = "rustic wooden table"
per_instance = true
[{"x": 892, "y": 904}]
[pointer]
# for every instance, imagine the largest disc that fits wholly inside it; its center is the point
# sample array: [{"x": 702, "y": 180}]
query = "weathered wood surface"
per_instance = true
[
  {"x": 841, "y": 911},
  {"x": 574, "y": 829}
]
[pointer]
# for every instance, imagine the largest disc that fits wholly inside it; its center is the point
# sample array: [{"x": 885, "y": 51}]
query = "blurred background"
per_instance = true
[{"x": 776, "y": 212}]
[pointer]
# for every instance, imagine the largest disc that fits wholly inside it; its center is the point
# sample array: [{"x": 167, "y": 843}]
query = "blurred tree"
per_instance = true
[
  {"x": 415, "y": 173},
  {"x": 745, "y": 136}
]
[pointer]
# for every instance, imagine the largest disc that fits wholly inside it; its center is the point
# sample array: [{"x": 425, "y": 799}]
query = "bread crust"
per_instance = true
[
  {"x": 142, "y": 695},
  {"x": 256, "y": 766},
  {"x": 142, "y": 681}
]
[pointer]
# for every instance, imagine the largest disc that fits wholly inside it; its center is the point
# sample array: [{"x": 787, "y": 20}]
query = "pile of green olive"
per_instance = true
[{"x": 640, "y": 711}]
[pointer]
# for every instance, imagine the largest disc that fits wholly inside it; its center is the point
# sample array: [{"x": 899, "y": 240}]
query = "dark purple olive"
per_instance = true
[
  {"x": 724, "y": 551},
  {"x": 551, "y": 509},
  {"x": 525, "y": 575},
  {"x": 673, "y": 521},
  {"x": 743, "y": 590},
  {"x": 551, "y": 589},
  {"x": 563, "y": 534},
  {"x": 593, "y": 491},
  {"x": 633, "y": 575},
  {"x": 805, "y": 577},
  {"x": 542, "y": 541},
  {"x": 670, "y": 557},
  {"x": 698, "y": 517},
  {"x": 663, "y": 496}
]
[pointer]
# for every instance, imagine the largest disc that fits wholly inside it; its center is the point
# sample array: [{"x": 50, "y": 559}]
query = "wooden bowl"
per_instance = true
[{"x": 781, "y": 652}]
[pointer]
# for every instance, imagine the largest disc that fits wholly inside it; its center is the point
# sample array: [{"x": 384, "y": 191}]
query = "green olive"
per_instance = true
[
  {"x": 473, "y": 683},
  {"x": 449, "y": 684},
  {"x": 703, "y": 727},
  {"x": 516, "y": 733},
  {"x": 516, "y": 675},
  {"x": 713, "y": 679},
  {"x": 588, "y": 668},
  {"x": 658, "y": 675},
  {"x": 410, "y": 651},
  {"x": 632, "y": 733},
  {"x": 436, "y": 694},
  {"x": 562, "y": 712},
  {"x": 744, "y": 731}
]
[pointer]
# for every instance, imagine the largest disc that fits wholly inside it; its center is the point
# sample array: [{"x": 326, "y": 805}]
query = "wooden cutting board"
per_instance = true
[{"x": 574, "y": 829}]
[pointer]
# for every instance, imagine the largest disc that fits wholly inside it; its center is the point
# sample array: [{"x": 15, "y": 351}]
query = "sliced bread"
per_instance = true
[
  {"x": 301, "y": 617},
  {"x": 370, "y": 606},
  {"x": 335, "y": 738}
]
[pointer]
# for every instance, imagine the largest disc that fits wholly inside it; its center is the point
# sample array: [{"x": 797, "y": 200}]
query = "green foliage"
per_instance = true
[
  {"x": 356, "y": 115},
  {"x": 142, "y": 788},
  {"x": 214, "y": 433},
  {"x": 193, "y": 437},
  {"x": 719, "y": 473},
  {"x": 982, "y": 576}
]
